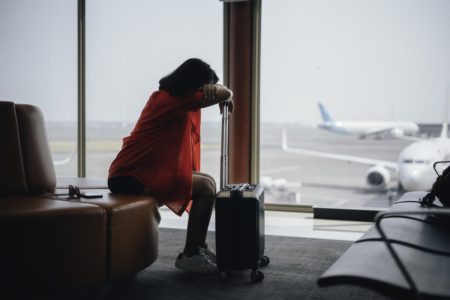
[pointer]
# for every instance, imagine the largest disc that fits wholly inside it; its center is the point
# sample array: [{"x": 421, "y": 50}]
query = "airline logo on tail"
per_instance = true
[
  {"x": 328, "y": 123},
  {"x": 326, "y": 118}
]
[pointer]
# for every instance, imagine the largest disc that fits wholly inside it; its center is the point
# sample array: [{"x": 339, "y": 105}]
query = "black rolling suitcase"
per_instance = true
[{"x": 239, "y": 221}]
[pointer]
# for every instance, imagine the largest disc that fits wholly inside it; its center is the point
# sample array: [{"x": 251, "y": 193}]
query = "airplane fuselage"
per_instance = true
[
  {"x": 415, "y": 163},
  {"x": 371, "y": 127}
]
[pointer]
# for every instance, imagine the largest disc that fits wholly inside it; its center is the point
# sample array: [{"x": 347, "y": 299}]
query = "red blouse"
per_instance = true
[{"x": 164, "y": 148}]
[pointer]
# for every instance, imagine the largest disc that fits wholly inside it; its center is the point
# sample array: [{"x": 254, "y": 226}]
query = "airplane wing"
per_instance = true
[
  {"x": 347, "y": 158},
  {"x": 395, "y": 133},
  {"x": 408, "y": 138},
  {"x": 64, "y": 161}
]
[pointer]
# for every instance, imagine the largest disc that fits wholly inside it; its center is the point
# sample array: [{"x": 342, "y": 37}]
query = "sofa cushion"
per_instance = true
[
  {"x": 37, "y": 160},
  {"x": 12, "y": 174},
  {"x": 49, "y": 245},
  {"x": 132, "y": 238}
]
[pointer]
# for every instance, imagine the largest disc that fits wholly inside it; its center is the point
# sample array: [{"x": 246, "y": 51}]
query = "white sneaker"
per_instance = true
[
  {"x": 198, "y": 263},
  {"x": 209, "y": 253}
]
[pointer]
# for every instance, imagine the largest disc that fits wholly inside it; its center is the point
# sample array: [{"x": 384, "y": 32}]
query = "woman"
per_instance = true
[{"x": 161, "y": 156}]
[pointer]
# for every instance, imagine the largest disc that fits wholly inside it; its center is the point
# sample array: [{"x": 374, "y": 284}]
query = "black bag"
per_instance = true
[
  {"x": 239, "y": 221},
  {"x": 440, "y": 188}
]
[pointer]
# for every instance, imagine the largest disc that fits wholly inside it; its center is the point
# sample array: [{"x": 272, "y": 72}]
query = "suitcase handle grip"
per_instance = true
[{"x": 224, "y": 147}]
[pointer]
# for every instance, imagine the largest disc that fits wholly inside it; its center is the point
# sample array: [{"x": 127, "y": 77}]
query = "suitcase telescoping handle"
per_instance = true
[{"x": 224, "y": 150}]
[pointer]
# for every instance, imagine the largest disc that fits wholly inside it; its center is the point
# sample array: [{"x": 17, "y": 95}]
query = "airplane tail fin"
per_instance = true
[
  {"x": 325, "y": 116},
  {"x": 444, "y": 131}
]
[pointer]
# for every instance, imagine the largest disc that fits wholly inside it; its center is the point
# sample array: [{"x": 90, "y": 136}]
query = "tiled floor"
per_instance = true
[{"x": 287, "y": 224}]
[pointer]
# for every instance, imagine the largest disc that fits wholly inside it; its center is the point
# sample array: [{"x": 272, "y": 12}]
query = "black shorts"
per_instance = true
[{"x": 125, "y": 185}]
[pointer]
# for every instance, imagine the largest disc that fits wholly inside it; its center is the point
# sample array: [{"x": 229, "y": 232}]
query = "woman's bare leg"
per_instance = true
[{"x": 203, "y": 196}]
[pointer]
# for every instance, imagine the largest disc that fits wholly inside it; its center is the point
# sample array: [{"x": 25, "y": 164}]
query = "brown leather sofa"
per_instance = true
[{"x": 49, "y": 244}]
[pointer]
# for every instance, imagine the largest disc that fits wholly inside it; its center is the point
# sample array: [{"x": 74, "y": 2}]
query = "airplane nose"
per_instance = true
[{"x": 415, "y": 180}]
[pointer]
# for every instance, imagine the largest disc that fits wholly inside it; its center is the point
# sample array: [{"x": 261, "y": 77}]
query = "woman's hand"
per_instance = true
[
  {"x": 230, "y": 105},
  {"x": 210, "y": 92}
]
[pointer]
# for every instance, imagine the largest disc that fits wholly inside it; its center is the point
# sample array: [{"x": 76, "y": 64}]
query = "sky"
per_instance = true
[{"x": 363, "y": 59}]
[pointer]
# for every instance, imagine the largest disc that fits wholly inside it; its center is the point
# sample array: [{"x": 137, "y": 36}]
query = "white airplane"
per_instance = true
[
  {"x": 414, "y": 165},
  {"x": 378, "y": 129}
]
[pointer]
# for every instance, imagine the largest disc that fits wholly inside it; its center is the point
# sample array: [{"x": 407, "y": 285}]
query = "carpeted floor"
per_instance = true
[{"x": 295, "y": 265}]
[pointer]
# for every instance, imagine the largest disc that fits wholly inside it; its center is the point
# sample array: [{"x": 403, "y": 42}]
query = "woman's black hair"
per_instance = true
[{"x": 188, "y": 77}]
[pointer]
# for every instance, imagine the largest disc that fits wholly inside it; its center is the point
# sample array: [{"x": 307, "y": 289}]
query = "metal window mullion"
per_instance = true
[
  {"x": 255, "y": 117},
  {"x": 81, "y": 120}
]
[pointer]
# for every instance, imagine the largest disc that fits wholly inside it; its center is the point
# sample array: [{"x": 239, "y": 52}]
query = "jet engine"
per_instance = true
[
  {"x": 397, "y": 132},
  {"x": 377, "y": 176}
]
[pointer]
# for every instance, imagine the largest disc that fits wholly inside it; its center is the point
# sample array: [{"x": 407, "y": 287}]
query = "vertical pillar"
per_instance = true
[{"x": 241, "y": 34}]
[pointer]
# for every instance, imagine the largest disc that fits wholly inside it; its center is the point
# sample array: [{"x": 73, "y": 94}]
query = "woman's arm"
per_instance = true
[{"x": 215, "y": 93}]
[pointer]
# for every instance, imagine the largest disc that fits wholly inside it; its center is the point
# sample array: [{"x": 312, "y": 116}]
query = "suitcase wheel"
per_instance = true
[
  {"x": 264, "y": 261},
  {"x": 257, "y": 276},
  {"x": 224, "y": 274}
]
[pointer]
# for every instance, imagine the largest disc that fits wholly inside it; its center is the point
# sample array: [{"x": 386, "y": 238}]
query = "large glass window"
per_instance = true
[
  {"x": 373, "y": 60},
  {"x": 129, "y": 47},
  {"x": 38, "y": 65}
]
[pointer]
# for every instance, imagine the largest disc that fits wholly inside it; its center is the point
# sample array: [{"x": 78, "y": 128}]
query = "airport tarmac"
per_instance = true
[{"x": 310, "y": 180}]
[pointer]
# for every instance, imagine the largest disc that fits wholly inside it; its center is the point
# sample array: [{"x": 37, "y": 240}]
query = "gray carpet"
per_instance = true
[{"x": 295, "y": 265}]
